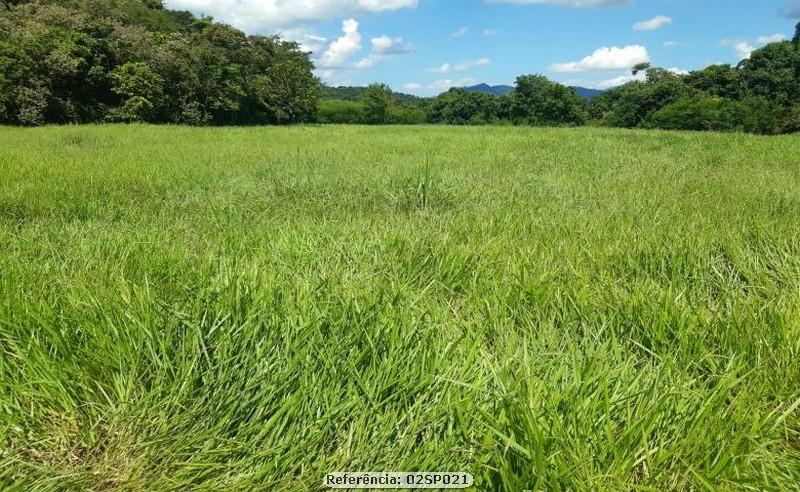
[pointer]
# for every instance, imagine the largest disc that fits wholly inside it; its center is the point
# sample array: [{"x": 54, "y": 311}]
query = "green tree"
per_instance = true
[
  {"x": 539, "y": 101},
  {"x": 376, "y": 101},
  {"x": 462, "y": 107},
  {"x": 280, "y": 82},
  {"x": 773, "y": 72},
  {"x": 141, "y": 90},
  {"x": 695, "y": 113},
  {"x": 717, "y": 80},
  {"x": 629, "y": 105}
]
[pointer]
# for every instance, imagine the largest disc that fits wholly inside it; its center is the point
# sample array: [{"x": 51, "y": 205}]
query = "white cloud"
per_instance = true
[
  {"x": 461, "y": 32},
  {"x": 605, "y": 58},
  {"x": 489, "y": 32},
  {"x": 461, "y": 66},
  {"x": 444, "y": 68},
  {"x": 566, "y": 3},
  {"x": 617, "y": 81},
  {"x": 653, "y": 24},
  {"x": 382, "y": 47},
  {"x": 412, "y": 86},
  {"x": 743, "y": 48},
  {"x": 385, "y": 46},
  {"x": 343, "y": 47},
  {"x": 774, "y": 38},
  {"x": 670, "y": 44},
  {"x": 257, "y": 15},
  {"x": 308, "y": 41},
  {"x": 466, "y": 65},
  {"x": 678, "y": 71}
]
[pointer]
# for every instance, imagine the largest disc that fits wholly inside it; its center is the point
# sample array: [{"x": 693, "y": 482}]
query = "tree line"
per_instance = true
[
  {"x": 759, "y": 95},
  {"x": 82, "y": 61}
]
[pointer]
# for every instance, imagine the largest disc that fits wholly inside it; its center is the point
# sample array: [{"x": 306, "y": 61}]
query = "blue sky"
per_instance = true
[{"x": 426, "y": 46}]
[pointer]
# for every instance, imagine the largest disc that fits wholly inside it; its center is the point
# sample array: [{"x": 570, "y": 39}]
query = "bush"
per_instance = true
[
  {"x": 752, "y": 114},
  {"x": 340, "y": 112},
  {"x": 700, "y": 113}
]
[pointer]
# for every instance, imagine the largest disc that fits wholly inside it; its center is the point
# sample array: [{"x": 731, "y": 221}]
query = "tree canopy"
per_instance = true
[{"x": 79, "y": 61}]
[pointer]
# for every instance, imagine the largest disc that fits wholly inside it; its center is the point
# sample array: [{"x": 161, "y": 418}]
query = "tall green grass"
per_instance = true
[{"x": 249, "y": 309}]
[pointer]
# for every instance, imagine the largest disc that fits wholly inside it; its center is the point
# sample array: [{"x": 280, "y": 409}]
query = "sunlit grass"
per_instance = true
[{"x": 548, "y": 309}]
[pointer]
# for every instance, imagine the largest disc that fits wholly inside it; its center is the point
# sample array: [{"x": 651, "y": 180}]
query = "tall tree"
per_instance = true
[
  {"x": 539, "y": 101},
  {"x": 376, "y": 102}
]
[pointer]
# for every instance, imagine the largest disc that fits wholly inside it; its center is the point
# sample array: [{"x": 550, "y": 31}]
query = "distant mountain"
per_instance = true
[
  {"x": 492, "y": 90},
  {"x": 588, "y": 94},
  {"x": 501, "y": 90}
]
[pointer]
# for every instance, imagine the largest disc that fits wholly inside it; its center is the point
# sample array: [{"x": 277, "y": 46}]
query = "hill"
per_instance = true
[
  {"x": 354, "y": 93},
  {"x": 501, "y": 90},
  {"x": 493, "y": 90}
]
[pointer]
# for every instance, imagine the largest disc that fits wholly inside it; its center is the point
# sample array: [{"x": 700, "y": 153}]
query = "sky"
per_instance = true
[{"x": 425, "y": 47}]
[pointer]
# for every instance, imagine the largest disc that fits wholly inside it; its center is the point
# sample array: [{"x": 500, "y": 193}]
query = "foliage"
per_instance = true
[
  {"x": 340, "y": 112},
  {"x": 630, "y": 105},
  {"x": 538, "y": 101},
  {"x": 773, "y": 72},
  {"x": 463, "y": 107},
  {"x": 689, "y": 113},
  {"x": 142, "y": 91},
  {"x": 349, "y": 93},
  {"x": 80, "y": 61},
  {"x": 718, "y": 81},
  {"x": 376, "y": 101}
]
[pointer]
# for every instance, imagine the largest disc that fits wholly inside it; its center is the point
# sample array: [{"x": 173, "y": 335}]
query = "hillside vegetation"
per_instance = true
[{"x": 249, "y": 309}]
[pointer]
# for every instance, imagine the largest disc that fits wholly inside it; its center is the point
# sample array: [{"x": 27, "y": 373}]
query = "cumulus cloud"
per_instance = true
[
  {"x": 382, "y": 47},
  {"x": 461, "y": 66},
  {"x": 343, "y": 47},
  {"x": 460, "y": 33},
  {"x": 256, "y": 15},
  {"x": 653, "y": 24},
  {"x": 743, "y": 48},
  {"x": 412, "y": 86},
  {"x": 678, "y": 71},
  {"x": 605, "y": 58},
  {"x": 309, "y": 41},
  {"x": 567, "y": 3}
]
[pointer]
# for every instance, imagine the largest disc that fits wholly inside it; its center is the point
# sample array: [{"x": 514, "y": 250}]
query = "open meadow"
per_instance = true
[{"x": 252, "y": 308}]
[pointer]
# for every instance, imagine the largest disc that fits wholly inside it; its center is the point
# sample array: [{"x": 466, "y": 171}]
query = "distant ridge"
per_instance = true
[
  {"x": 350, "y": 93},
  {"x": 501, "y": 90},
  {"x": 587, "y": 94},
  {"x": 492, "y": 90}
]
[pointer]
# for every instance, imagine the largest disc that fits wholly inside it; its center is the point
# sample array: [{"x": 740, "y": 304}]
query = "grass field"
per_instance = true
[{"x": 249, "y": 309}]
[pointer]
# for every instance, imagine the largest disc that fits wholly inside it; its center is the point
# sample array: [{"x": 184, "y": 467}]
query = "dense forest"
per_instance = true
[{"x": 81, "y": 61}]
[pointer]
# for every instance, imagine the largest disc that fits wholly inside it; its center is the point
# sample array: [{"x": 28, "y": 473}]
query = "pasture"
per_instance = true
[{"x": 251, "y": 308}]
